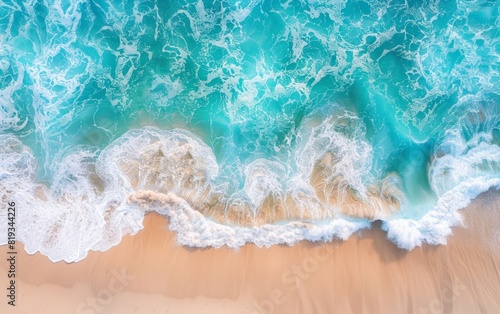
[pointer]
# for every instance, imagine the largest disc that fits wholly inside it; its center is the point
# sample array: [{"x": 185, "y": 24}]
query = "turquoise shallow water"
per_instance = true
[{"x": 403, "y": 95}]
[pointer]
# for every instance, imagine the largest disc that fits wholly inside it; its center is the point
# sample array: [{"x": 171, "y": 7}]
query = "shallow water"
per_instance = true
[{"x": 252, "y": 121}]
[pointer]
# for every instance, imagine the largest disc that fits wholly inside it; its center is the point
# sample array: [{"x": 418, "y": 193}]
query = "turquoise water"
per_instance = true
[{"x": 405, "y": 95}]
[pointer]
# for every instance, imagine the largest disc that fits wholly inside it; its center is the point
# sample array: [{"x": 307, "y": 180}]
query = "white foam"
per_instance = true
[
  {"x": 263, "y": 178},
  {"x": 466, "y": 169},
  {"x": 341, "y": 134},
  {"x": 71, "y": 217},
  {"x": 435, "y": 226},
  {"x": 9, "y": 115},
  {"x": 93, "y": 201},
  {"x": 196, "y": 231},
  {"x": 448, "y": 171},
  {"x": 166, "y": 159}
]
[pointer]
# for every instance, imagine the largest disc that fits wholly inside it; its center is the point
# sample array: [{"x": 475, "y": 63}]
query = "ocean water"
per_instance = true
[{"x": 246, "y": 121}]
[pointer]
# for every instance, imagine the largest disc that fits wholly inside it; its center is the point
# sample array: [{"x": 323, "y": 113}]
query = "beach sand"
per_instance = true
[{"x": 150, "y": 273}]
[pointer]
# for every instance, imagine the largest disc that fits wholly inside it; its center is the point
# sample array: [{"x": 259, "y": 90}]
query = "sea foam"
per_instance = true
[{"x": 94, "y": 199}]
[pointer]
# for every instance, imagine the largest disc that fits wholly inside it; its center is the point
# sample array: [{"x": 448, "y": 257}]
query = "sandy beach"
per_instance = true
[{"x": 150, "y": 273}]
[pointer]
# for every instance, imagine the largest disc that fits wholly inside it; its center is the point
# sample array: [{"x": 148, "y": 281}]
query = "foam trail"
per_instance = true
[
  {"x": 436, "y": 224},
  {"x": 92, "y": 202}
]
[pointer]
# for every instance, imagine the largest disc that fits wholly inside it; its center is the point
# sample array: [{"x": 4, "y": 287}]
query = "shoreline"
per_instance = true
[{"x": 365, "y": 273}]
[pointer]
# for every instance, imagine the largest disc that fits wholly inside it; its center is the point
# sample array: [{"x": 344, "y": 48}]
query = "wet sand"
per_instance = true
[{"x": 150, "y": 273}]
